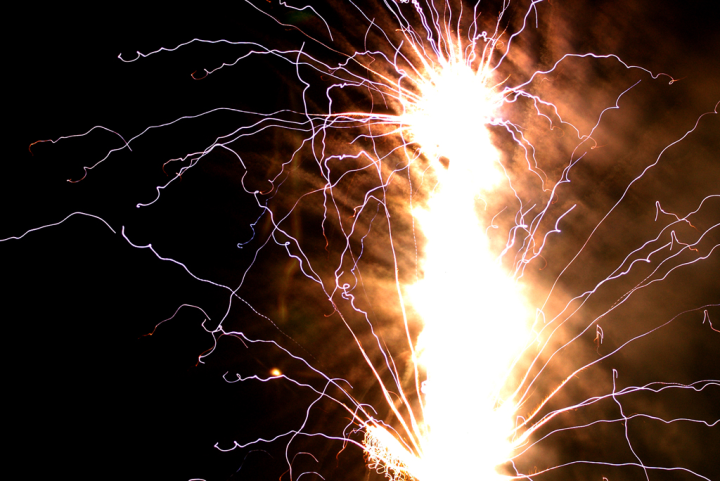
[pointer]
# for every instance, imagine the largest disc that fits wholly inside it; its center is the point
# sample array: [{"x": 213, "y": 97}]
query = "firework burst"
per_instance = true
[{"x": 413, "y": 266}]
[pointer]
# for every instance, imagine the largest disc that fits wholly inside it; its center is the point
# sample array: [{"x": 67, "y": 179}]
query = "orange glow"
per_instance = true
[{"x": 473, "y": 312}]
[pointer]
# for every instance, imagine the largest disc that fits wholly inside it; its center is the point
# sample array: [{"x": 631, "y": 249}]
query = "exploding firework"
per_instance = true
[{"x": 339, "y": 191}]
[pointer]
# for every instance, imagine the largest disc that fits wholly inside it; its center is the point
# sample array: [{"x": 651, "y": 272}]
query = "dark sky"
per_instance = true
[{"x": 98, "y": 399}]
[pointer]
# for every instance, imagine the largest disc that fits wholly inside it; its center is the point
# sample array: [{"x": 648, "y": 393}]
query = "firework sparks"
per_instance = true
[{"x": 471, "y": 387}]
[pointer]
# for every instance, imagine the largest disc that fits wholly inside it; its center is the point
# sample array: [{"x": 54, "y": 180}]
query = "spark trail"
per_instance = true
[{"x": 412, "y": 195}]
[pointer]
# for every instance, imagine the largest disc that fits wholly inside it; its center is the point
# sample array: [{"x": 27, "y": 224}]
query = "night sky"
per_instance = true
[{"x": 93, "y": 397}]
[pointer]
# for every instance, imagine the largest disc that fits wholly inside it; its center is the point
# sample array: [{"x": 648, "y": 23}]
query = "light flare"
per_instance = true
[
  {"x": 450, "y": 119},
  {"x": 473, "y": 313},
  {"x": 474, "y": 328}
]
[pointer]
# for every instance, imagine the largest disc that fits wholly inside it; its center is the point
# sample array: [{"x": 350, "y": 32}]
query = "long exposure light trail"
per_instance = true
[{"x": 423, "y": 264}]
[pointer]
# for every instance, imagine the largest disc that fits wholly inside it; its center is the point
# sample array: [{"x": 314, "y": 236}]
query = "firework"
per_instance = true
[{"x": 418, "y": 247}]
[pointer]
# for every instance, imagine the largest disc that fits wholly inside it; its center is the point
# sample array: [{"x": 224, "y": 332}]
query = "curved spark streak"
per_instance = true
[
  {"x": 621, "y": 420},
  {"x": 35, "y": 229},
  {"x": 548, "y": 417}
]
